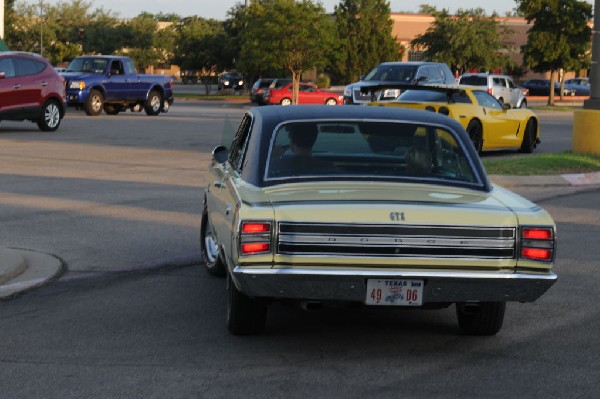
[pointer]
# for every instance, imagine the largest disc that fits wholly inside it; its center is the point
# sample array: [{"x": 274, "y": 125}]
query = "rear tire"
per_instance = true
[
  {"x": 112, "y": 109},
  {"x": 331, "y": 101},
  {"x": 286, "y": 101},
  {"x": 50, "y": 118},
  {"x": 245, "y": 315},
  {"x": 94, "y": 104},
  {"x": 154, "y": 103},
  {"x": 475, "y": 131},
  {"x": 528, "y": 143},
  {"x": 484, "y": 318}
]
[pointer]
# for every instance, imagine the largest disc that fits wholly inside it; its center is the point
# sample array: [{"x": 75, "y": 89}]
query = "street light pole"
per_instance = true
[
  {"x": 41, "y": 27},
  {"x": 1, "y": 19}
]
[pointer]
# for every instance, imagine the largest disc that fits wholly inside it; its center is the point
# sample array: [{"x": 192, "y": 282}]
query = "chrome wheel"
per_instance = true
[
  {"x": 286, "y": 101},
  {"x": 50, "y": 118},
  {"x": 210, "y": 244},
  {"x": 154, "y": 103},
  {"x": 52, "y": 115},
  {"x": 209, "y": 248},
  {"x": 94, "y": 104}
]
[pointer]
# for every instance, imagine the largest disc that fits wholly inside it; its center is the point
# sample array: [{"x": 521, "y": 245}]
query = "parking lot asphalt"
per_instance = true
[{"x": 23, "y": 269}]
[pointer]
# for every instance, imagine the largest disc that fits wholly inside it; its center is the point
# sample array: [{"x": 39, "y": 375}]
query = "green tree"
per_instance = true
[
  {"x": 140, "y": 41},
  {"x": 103, "y": 34},
  {"x": 469, "y": 39},
  {"x": 63, "y": 22},
  {"x": 201, "y": 46},
  {"x": 364, "y": 36},
  {"x": 23, "y": 34},
  {"x": 559, "y": 36},
  {"x": 296, "y": 35},
  {"x": 9, "y": 17}
]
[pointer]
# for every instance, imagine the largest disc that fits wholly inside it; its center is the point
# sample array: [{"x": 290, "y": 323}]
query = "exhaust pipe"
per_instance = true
[{"x": 311, "y": 305}]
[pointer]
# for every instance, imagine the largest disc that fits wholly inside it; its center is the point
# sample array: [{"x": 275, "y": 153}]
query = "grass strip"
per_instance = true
[{"x": 543, "y": 164}]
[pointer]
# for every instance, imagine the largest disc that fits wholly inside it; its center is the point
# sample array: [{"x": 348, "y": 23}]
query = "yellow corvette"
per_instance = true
[{"x": 490, "y": 124}]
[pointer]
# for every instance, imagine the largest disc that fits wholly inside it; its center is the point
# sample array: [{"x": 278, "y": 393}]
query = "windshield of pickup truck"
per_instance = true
[{"x": 91, "y": 65}]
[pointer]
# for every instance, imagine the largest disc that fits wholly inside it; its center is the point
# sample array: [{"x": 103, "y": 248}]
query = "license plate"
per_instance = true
[{"x": 394, "y": 292}]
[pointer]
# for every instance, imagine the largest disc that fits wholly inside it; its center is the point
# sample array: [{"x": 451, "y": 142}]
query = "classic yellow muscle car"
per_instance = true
[
  {"x": 491, "y": 125},
  {"x": 380, "y": 206}
]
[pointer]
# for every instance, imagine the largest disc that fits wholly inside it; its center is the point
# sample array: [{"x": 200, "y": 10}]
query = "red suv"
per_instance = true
[{"x": 30, "y": 88}]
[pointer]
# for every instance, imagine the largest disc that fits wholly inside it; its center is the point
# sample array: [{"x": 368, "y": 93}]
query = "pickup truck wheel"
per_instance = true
[
  {"x": 528, "y": 143},
  {"x": 94, "y": 104},
  {"x": 245, "y": 315},
  {"x": 483, "y": 318},
  {"x": 112, "y": 109},
  {"x": 154, "y": 103},
  {"x": 50, "y": 118},
  {"x": 209, "y": 248}
]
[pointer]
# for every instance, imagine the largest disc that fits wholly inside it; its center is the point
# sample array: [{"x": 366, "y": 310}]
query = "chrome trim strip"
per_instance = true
[{"x": 394, "y": 241}]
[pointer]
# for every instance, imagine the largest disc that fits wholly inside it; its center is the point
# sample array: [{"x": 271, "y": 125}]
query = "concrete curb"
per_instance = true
[
  {"x": 23, "y": 269},
  {"x": 565, "y": 180}
]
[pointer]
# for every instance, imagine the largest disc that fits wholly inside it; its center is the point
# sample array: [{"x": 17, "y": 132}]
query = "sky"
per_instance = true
[{"x": 217, "y": 9}]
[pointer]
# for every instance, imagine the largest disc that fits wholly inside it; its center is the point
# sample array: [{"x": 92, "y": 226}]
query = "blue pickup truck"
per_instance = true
[{"x": 111, "y": 83}]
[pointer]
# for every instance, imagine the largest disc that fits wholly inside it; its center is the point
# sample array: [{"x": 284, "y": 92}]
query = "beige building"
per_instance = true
[{"x": 408, "y": 26}]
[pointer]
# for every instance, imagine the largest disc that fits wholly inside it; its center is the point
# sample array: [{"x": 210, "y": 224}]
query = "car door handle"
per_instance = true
[
  {"x": 219, "y": 184},
  {"x": 228, "y": 209},
  {"x": 16, "y": 86},
  {"x": 44, "y": 84}
]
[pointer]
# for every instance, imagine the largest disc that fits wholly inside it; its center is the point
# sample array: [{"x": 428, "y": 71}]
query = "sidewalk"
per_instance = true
[{"x": 23, "y": 269}]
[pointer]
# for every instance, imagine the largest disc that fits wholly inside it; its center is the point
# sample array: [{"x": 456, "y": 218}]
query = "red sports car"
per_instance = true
[{"x": 307, "y": 94}]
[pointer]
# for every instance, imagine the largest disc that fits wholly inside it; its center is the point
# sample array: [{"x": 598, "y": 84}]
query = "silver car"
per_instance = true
[{"x": 500, "y": 86}]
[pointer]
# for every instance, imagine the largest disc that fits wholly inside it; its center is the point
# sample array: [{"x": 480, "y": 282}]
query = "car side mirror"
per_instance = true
[
  {"x": 506, "y": 106},
  {"x": 220, "y": 155},
  {"x": 422, "y": 79}
]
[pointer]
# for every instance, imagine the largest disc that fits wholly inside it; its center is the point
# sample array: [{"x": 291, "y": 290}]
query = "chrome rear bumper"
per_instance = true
[{"x": 350, "y": 285}]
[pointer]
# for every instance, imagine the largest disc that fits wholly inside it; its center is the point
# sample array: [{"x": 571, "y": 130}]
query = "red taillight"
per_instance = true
[
  {"x": 537, "y": 234},
  {"x": 254, "y": 228},
  {"x": 536, "y": 253},
  {"x": 255, "y": 237},
  {"x": 489, "y": 91},
  {"x": 537, "y": 243},
  {"x": 255, "y": 247}
]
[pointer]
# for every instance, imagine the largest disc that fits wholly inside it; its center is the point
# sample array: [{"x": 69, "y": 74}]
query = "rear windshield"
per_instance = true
[
  {"x": 432, "y": 96},
  {"x": 362, "y": 149},
  {"x": 392, "y": 73},
  {"x": 474, "y": 80}
]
